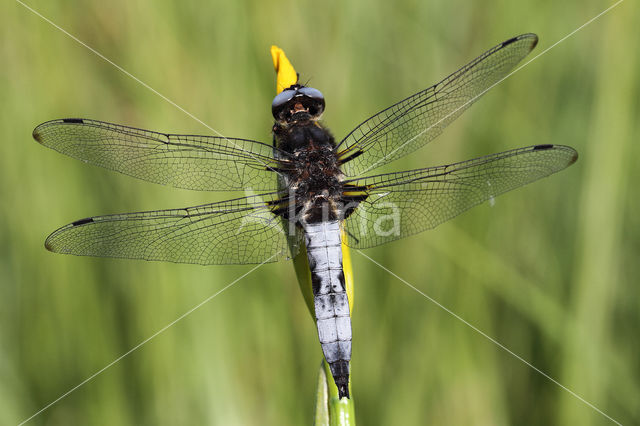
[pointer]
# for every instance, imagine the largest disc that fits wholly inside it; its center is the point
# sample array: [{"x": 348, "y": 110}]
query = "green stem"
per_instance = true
[{"x": 330, "y": 409}]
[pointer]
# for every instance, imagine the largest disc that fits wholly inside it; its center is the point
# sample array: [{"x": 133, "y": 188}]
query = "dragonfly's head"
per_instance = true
[{"x": 297, "y": 103}]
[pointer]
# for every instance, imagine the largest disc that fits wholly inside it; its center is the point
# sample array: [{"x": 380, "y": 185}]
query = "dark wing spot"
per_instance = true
[
  {"x": 534, "y": 41},
  {"x": 542, "y": 147},
  {"x": 508, "y": 42},
  {"x": 82, "y": 221},
  {"x": 73, "y": 120}
]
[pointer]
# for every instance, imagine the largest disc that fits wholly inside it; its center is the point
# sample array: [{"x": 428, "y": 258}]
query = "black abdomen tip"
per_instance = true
[
  {"x": 340, "y": 373},
  {"x": 343, "y": 391}
]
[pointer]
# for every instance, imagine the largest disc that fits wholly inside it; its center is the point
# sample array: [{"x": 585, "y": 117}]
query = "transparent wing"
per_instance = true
[
  {"x": 238, "y": 231},
  {"x": 401, "y": 204},
  {"x": 203, "y": 163},
  {"x": 416, "y": 120}
]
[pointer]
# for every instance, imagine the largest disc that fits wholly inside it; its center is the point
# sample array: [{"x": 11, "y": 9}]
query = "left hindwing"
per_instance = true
[
  {"x": 204, "y": 163},
  {"x": 239, "y": 231}
]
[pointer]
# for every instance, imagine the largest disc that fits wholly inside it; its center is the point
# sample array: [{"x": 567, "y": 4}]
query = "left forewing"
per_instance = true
[{"x": 199, "y": 162}]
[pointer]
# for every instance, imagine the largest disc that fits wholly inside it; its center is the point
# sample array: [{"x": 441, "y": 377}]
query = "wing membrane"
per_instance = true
[
  {"x": 405, "y": 203},
  {"x": 237, "y": 231},
  {"x": 416, "y": 120},
  {"x": 203, "y": 163}
]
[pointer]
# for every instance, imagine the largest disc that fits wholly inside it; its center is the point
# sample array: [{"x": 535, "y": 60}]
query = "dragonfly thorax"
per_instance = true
[{"x": 313, "y": 177}]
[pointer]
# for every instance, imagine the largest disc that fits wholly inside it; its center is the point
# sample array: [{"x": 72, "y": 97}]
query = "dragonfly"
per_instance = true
[{"x": 309, "y": 191}]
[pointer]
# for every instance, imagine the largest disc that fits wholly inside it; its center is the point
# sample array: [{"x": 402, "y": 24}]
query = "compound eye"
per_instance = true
[
  {"x": 281, "y": 99},
  {"x": 314, "y": 94}
]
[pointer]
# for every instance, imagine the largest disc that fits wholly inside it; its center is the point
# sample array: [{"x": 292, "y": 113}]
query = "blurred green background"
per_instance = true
[{"x": 550, "y": 271}]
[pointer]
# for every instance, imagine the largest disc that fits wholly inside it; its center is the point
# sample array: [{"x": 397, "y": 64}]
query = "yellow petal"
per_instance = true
[{"x": 286, "y": 74}]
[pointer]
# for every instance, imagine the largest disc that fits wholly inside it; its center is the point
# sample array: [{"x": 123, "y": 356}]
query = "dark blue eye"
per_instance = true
[
  {"x": 314, "y": 94},
  {"x": 282, "y": 98}
]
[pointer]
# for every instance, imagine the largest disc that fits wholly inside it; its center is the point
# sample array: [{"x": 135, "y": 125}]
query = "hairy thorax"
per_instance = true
[{"x": 312, "y": 176}]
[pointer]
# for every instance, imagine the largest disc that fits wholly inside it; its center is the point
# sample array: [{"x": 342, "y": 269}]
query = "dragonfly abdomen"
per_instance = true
[{"x": 331, "y": 305}]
